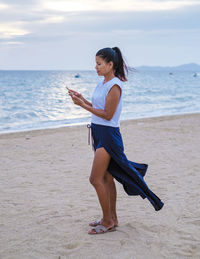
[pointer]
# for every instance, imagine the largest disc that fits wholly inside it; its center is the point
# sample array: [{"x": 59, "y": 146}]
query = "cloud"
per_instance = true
[
  {"x": 21, "y": 2},
  {"x": 3, "y": 6},
  {"x": 12, "y": 30},
  {"x": 11, "y": 43},
  {"x": 56, "y": 26},
  {"x": 115, "y": 5},
  {"x": 48, "y": 25},
  {"x": 68, "y": 6},
  {"x": 53, "y": 19}
]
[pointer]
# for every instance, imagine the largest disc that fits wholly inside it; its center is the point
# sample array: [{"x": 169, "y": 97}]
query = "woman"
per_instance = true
[{"x": 109, "y": 158}]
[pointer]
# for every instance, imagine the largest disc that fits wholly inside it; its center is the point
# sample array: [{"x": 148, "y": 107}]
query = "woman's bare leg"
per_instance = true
[
  {"x": 97, "y": 179},
  {"x": 113, "y": 196}
]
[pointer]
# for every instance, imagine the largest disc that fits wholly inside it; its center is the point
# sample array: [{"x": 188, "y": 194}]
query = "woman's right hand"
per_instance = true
[
  {"x": 72, "y": 92},
  {"x": 77, "y": 96}
]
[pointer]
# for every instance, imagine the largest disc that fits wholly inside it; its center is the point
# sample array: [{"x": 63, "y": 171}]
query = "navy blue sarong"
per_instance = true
[{"x": 128, "y": 173}]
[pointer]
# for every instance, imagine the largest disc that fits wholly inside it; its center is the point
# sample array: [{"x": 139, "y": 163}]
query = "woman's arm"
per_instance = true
[
  {"x": 112, "y": 101},
  {"x": 79, "y": 96},
  {"x": 87, "y": 102}
]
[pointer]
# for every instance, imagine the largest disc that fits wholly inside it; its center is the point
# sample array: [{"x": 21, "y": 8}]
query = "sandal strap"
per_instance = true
[
  {"x": 100, "y": 229},
  {"x": 95, "y": 223}
]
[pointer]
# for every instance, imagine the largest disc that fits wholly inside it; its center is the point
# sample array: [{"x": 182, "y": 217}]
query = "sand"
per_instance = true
[{"x": 47, "y": 201}]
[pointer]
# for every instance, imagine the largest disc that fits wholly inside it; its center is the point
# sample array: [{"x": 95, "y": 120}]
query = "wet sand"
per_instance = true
[{"x": 47, "y": 201}]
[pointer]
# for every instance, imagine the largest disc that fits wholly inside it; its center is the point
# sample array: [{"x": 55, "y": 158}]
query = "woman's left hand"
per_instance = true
[{"x": 77, "y": 100}]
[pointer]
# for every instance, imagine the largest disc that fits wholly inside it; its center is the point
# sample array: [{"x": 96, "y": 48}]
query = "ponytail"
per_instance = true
[
  {"x": 121, "y": 70},
  {"x": 115, "y": 55}
]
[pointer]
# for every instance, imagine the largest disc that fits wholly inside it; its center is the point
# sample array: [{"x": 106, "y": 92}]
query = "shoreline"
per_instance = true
[{"x": 52, "y": 128}]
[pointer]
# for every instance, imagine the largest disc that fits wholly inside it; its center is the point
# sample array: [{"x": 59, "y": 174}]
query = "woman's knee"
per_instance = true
[
  {"x": 95, "y": 181},
  {"x": 91, "y": 180}
]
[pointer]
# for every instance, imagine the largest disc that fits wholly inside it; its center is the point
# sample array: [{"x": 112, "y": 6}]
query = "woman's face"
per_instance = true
[{"x": 102, "y": 67}]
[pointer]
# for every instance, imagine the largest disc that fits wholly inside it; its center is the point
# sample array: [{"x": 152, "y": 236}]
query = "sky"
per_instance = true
[{"x": 66, "y": 34}]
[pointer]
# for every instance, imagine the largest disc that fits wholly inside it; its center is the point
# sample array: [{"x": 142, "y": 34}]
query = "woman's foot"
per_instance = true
[
  {"x": 95, "y": 223},
  {"x": 103, "y": 227},
  {"x": 100, "y": 229},
  {"x": 115, "y": 220},
  {"x": 99, "y": 222}
]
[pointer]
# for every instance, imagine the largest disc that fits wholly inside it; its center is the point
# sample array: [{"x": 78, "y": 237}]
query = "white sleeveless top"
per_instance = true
[{"x": 99, "y": 101}]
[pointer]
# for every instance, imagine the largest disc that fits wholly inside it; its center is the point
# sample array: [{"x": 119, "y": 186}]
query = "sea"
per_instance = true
[{"x": 31, "y": 100}]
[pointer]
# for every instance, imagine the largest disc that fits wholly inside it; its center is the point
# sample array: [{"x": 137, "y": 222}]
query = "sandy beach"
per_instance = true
[{"x": 47, "y": 201}]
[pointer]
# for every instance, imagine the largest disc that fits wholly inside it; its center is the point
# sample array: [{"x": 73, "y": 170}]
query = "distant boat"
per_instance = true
[
  {"x": 170, "y": 73},
  {"x": 77, "y": 76},
  {"x": 195, "y": 74}
]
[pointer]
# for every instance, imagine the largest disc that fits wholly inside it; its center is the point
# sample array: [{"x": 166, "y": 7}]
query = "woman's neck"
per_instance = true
[{"x": 108, "y": 77}]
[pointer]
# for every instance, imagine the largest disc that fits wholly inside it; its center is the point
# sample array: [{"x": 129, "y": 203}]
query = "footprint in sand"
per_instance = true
[
  {"x": 195, "y": 222},
  {"x": 72, "y": 246}
]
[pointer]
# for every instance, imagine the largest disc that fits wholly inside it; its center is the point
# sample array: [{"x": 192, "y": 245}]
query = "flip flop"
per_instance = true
[
  {"x": 100, "y": 229},
  {"x": 96, "y": 223}
]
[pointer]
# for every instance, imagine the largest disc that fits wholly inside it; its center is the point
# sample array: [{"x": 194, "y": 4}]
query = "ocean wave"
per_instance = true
[{"x": 39, "y": 99}]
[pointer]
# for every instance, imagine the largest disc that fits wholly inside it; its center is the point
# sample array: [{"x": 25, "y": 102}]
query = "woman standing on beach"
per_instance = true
[{"x": 109, "y": 158}]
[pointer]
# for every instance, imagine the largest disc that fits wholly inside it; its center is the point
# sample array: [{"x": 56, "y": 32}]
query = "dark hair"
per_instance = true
[{"x": 115, "y": 55}]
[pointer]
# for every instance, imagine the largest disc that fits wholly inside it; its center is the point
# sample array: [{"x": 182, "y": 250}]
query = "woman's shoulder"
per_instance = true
[{"x": 116, "y": 81}]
